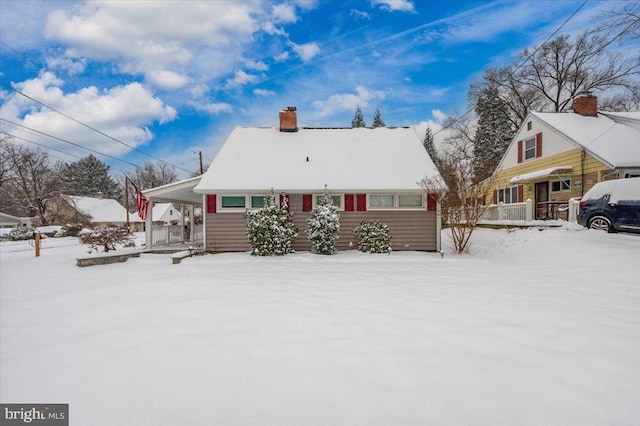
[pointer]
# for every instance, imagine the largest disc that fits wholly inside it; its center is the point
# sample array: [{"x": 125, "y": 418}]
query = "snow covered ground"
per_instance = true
[{"x": 534, "y": 327}]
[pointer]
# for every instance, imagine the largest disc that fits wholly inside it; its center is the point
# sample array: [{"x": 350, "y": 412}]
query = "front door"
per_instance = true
[{"x": 542, "y": 196}]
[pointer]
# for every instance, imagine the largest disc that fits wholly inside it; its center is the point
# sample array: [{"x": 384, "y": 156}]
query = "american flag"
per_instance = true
[{"x": 141, "y": 202}]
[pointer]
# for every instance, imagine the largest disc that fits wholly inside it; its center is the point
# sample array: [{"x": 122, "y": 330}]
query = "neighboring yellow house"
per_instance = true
[{"x": 557, "y": 156}]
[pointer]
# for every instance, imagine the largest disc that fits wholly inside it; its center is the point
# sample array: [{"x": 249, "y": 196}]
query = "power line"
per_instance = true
[
  {"x": 66, "y": 141},
  {"x": 524, "y": 61},
  {"x": 92, "y": 128}
]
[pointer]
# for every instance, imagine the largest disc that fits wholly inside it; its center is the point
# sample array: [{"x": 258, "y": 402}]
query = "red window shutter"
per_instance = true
[
  {"x": 520, "y": 193},
  {"x": 362, "y": 202},
  {"x": 519, "y": 151},
  {"x": 432, "y": 203},
  {"x": 284, "y": 200},
  {"x": 495, "y": 196},
  {"x": 307, "y": 202},
  {"x": 211, "y": 203},
  {"x": 539, "y": 145},
  {"x": 348, "y": 202}
]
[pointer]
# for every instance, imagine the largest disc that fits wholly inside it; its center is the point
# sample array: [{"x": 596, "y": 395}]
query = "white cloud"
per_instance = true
[
  {"x": 212, "y": 108},
  {"x": 284, "y": 13},
  {"x": 167, "y": 79},
  {"x": 306, "y": 51},
  {"x": 263, "y": 92},
  {"x": 123, "y": 112},
  {"x": 256, "y": 65},
  {"x": 138, "y": 38},
  {"x": 347, "y": 101},
  {"x": 241, "y": 78},
  {"x": 68, "y": 64},
  {"x": 394, "y": 5},
  {"x": 361, "y": 14},
  {"x": 281, "y": 57},
  {"x": 438, "y": 115}
]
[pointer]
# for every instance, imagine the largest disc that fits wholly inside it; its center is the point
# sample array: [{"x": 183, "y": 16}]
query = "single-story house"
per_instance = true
[
  {"x": 556, "y": 156},
  {"x": 10, "y": 221},
  {"x": 370, "y": 173},
  {"x": 103, "y": 212}
]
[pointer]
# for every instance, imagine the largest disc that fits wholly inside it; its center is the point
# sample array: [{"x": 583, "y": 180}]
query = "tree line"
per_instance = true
[{"x": 30, "y": 180}]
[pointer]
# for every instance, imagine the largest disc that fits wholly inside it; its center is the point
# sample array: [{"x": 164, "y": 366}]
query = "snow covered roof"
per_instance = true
[
  {"x": 161, "y": 208},
  {"x": 102, "y": 209},
  {"x": 384, "y": 159},
  {"x": 526, "y": 177},
  {"x": 615, "y": 143}
]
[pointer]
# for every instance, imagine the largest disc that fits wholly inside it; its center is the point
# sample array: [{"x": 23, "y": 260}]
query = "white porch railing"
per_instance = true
[
  {"x": 525, "y": 212},
  {"x": 513, "y": 211},
  {"x": 167, "y": 235}
]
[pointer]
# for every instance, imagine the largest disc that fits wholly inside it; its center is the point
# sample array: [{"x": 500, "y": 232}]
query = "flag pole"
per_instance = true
[{"x": 126, "y": 202}]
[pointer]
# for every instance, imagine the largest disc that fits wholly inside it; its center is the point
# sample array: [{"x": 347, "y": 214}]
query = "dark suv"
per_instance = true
[{"x": 612, "y": 206}]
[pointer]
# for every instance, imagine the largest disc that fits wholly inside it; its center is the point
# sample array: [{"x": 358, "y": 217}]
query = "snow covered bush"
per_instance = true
[
  {"x": 373, "y": 236},
  {"x": 21, "y": 233},
  {"x": 106, "y": 238},
  {"x": 270, "y": 229},
  {"x": 323, "y": 226},
  {"x": 69, "y": 230}
]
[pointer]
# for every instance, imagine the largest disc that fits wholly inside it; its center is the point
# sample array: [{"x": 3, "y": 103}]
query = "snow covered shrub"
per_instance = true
[
  {"x": 69, "y": 230},
  {"x": 373, "y": 236},
  {"x": 106, "y": 238},
  {"x": 323, "y": 226},
  {"x": 270, "y": 229},
  {"x": 21, "y": 233}
]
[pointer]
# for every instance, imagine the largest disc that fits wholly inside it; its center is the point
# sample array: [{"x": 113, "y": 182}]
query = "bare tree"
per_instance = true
[
  {"x": 462, "y": 205},
  {"x": 29, "y": 182},
  {"x": 551, "y": 75}
]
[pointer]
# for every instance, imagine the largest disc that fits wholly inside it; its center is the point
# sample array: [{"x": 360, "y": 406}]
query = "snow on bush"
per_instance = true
[
  {"x": 323, "y": 226},
  {"x": 106, "y": 238},
  {"x": 69, "y": 230},
  {"x": 373, "y": 236},
  {"x": 270, "y": 229},
  {"x": 19, "y": 234}
]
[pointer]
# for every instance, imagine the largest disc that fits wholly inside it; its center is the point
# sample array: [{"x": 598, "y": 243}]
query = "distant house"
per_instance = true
[
  {"x": 370, "y": 173},
  {"x": 10, "y": 221},
  {"x": 555, "y": 156},
  {"x": 103, "y": 212},
  {"x": 166, "y": 214}
]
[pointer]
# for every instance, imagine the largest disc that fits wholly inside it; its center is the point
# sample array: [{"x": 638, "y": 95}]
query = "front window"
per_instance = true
[
  {"x": 335, "y": 199},
  {"x": 561, "y": 185},
  {"x": 381, "y": 200},
  {"x": 410, "y": 200},
  {"x": 530, "y": 149},
  {"x": 233, "y": 201},
  {"x": 257, "y": 201},
  {"x": 508, "y": 195}
]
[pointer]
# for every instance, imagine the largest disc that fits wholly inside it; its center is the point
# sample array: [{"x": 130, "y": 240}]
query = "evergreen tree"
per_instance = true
[
  {"x": 270, "y": 229},
  {"x": 429, "y": 144},
  {"x": 358, "y": 119},
  {"x": 493, "y": 134},
  {"x": 323, "y": 226},
  {"x": 377, "y": 119},
  {"x": 88, "y": 177}
]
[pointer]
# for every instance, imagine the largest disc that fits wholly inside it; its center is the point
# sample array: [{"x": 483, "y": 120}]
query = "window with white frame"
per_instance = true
[
  {"x": 233, "y": 201},
  {"x": 530, "y": 149},
  {"x": 257, "y": 201},
  {"x": 508, "y": 195},
  {"x": 561, "y": 185},
  {"x": 335, "y": 199},
  {"x": 390, "y": 201}
]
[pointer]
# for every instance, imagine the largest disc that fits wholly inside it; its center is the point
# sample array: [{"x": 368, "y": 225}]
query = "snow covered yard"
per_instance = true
[{"x": 532, "y": 328}]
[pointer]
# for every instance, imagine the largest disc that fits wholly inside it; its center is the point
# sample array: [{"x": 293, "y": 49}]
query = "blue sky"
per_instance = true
[{"x": 171, "y": 79}]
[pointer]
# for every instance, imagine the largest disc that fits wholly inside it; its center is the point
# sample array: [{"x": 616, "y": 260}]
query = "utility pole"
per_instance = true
[
  {"x": 201, "y": 169},
  {"x": 126, "y": 202}
]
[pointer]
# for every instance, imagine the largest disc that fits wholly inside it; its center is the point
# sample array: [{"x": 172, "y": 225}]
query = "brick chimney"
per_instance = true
[
  {"x": 289, "y": 120},
  {"x": 586, "y": 104}
]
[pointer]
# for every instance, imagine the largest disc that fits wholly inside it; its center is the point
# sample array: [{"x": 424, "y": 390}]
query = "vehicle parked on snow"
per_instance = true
[{"x": 612, "y": 206}]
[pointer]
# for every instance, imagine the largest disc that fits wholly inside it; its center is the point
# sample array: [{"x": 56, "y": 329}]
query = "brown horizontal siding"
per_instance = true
[{"x": 410, "y": 230}]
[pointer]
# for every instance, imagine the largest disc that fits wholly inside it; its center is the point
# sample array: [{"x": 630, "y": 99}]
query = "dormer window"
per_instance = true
[{"x": 529, "y": 125}]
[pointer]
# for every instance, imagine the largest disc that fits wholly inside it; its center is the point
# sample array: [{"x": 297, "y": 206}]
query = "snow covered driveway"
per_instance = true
[{"x": 532, "y": 328}]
